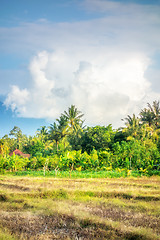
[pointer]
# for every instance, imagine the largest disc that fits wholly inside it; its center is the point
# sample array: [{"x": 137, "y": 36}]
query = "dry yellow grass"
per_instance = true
[{"x": 50, "y": 208}]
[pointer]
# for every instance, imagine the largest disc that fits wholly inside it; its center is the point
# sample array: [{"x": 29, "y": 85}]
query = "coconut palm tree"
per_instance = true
[
  {"x": 155, "y": 110},
  {"x": 63, "y": 128},
  {"x": 42, "y": 133},
  {"x": 58, "y": 131},
  {"x": 54, "y": 134},
  {"x": 151, "y": 115},
  {"x": 132, "y": 125},
  {"x": 62, "y": 125},
  {"x": 147, "y": 117},
  {"x": 73, "y": 118}
]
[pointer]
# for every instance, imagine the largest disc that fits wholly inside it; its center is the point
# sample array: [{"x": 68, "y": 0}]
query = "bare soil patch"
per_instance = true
[
  {"x": 55, "y": 227},
  {"x": 15, "y": 187},
  {"x": 129, "y": 218}
]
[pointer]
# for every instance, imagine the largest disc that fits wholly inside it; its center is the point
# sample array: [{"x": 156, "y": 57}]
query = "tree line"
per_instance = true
[{"x": 69, "y": 143}]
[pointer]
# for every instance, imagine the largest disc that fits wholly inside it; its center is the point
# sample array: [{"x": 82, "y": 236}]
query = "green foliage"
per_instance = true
[
  {"x": 75, "y": 139},
  {"x": 135, "y": 154},
  {"x": 152, "y": 114},
  {"x": 20, "y": 139},
  {"x": 6, "y": 235},
  {"x": 97, "y": 138},
  {"x": 73, "y": 118},
  {"x": 108, "y": 173},
  {"x": 105, "y": 159},
  {"x": 67, "y": 146},
  {"x": 13, "y": 163},
  {"x": 34, "y": 146}
]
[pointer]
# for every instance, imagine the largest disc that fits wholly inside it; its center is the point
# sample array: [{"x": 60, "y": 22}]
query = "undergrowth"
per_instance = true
[{"x": 78, "y": 174}]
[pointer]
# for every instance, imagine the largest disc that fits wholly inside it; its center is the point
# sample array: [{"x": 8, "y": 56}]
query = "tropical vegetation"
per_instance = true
[{"x": 68, "y": 145}]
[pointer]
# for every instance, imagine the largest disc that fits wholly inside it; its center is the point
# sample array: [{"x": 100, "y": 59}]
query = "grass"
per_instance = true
[
  {"x": 6, "y": 235},
  {"x": 79, "y": 208},
  {"x": 77, "y": 174}
]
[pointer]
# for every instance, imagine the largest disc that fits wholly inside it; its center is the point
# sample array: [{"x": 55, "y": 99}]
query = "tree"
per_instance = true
[
  {"x": 20, "y": 138},
  {"x": 132, "y": 125},
  {"x": 75, "y": 139},
  {"x": 98, "y": 137},
  {"x": 63, "y": 127},
  {"x": 58, "y": 131},
  {"x": 42, "y": 133},
  {"x": 16, "y": 132},
  {"x": 34, "y": 146},
  {"x": 54, "y": 133},
  {"x": 147, "y": 116},
  {"x": 3, "y": 147},
  {"x": 155, "y": 110},
  {"x": 151, "y": 115},
  {"x": 9, "y": 142},
  {"x": 120, "y": 135},
  {"x": 73, "y": 118}
]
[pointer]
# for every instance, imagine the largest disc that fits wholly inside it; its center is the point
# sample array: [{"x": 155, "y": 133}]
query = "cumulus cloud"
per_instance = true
[
  {"x": 98, "y": 65},
  {"x": 104, "y": 88},
  {"x": 17, "y": 99}
]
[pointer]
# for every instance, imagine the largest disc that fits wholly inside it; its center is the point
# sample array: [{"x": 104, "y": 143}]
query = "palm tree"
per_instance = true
[
  {"x": 151, "y": 115},
  {"x": 42, "y": 133},
  {"x": 155, "y": 110},
  {"x": 63, "y": 127},
  {"x": 73, "y": 118},
  {"x": 57, "y": 131},
  {"x": 147, "y": 116},
  {"x": 54, "y": 134},
  {"x": 132, "y": 125}
]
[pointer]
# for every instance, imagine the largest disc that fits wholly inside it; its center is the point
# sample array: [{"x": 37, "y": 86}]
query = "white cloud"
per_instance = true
[
  {"x": 154, "y": 75},
  {"x": 98, "y": 65},
  {"x": 17, "y": 99},
  {"x": 102, "y": 88}
]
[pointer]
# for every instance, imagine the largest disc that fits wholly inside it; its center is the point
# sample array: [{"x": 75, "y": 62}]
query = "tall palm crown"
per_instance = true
[
  {"x": 132, "y": 124},
  {"x": 155, "y": 110},
  {"x": 58, "y": 131},
  {"x": 147, "y": 116},
  {"x": 42, "y": 133},
  {"x": 152, "y": 114},
  {"x": 131, "y": 121},
  {"x": 73, "y": 117},
  {"x": 54, "y": 133},
  {"x": 42, "y": 130},
  {"x": 62, "y": 126}
]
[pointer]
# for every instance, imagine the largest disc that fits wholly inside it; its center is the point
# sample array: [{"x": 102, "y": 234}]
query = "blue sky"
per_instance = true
[
  {"x": 103, "y": 56},
  {"x": 27, "y": 125}
]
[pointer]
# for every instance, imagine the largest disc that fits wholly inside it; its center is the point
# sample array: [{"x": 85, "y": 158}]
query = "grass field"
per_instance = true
[{"x": 87, "y": 208}]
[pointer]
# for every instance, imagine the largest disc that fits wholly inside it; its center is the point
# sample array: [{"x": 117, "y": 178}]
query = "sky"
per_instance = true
[{"x": 101, "y": 56}]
